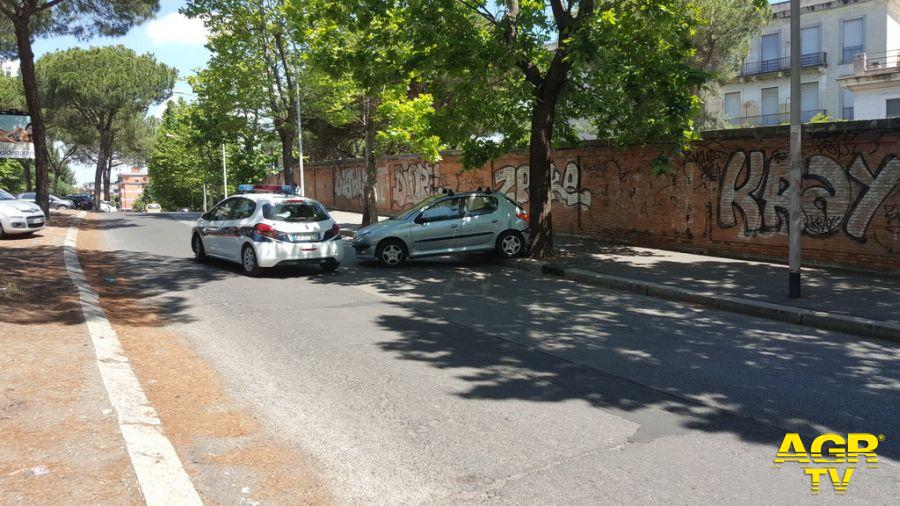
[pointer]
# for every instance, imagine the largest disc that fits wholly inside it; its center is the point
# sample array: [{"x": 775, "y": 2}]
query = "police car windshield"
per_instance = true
[
  {"x": 6, "y": 196},
  {"x": 294, "y": 212}
]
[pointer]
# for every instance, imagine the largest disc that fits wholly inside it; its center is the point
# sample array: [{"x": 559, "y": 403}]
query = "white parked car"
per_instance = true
[
  {"x": 18, "y": 216},
  {"x": 267, "y": 229},
  {"x": 106, "y": 207}
]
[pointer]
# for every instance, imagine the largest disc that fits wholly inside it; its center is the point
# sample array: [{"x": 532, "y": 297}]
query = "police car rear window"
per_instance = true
[{"x": 294, "y": 212}]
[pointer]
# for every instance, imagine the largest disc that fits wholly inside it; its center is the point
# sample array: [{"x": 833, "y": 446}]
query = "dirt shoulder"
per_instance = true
[
  {"x": 60, "y": 437},
  {"x": 229, "y": 458}
]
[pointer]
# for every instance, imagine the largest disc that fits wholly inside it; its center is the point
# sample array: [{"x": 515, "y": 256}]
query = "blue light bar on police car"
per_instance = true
[{"x": 266, "y": 188}]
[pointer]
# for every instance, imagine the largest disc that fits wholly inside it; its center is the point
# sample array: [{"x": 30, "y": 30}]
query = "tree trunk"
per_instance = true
[
  {"x": 107, "y": 174},
  {"x": 100, "y": 171},
  {"x": 287, "y": 154},
  {"x": 370, "y": 205},
  {"x": 539, "y": 177},
  {"x": 26, "y": 174},
  {"x": 56, "y": 170},
  {"x": 38, "y": 133}
]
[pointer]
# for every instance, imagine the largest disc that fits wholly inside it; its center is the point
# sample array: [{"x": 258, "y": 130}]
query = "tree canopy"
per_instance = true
[
  {"x": 99, "y": 92},
  {"x": 81, "y": 18}
]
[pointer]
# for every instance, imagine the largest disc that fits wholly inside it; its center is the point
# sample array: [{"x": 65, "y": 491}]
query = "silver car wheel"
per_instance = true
[
  {"x": 392, "y": 254},
  {"x": 511, "y": 245},
  {"x": 249, "y": 260}
]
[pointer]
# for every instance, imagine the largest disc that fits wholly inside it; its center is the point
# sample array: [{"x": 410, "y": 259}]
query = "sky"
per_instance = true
[{"x": 171, "y": 37}]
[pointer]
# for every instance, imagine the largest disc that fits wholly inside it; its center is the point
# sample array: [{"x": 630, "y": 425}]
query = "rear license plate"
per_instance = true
[{"x": 311, "y": 236}]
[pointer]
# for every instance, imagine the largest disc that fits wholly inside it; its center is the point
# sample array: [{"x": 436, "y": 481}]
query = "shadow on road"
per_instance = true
[{"x": 513, "y": 336}]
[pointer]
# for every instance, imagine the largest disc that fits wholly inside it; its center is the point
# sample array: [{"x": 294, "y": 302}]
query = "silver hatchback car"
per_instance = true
[{"x": 446, "y": 224}]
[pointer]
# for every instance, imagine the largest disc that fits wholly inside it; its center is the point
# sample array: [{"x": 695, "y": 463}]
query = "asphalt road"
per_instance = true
[{"x": 462, "y": 380}]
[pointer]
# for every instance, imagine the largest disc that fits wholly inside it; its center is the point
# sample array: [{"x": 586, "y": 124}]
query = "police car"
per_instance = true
[{"x": 267, "y": 226}]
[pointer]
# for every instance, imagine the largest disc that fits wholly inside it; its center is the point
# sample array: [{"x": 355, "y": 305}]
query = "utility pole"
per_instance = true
[
  {"x": 299, "y": 133},
  {"x": 795, "y": 176},
  {"x": 204, "y": 198},
  {"x": 224, "y": 173}
]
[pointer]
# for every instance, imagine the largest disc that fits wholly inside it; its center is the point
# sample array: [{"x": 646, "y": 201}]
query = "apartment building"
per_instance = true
[
  {"x": 849, "y": 65},
  {"x": 131, "y": 184}
]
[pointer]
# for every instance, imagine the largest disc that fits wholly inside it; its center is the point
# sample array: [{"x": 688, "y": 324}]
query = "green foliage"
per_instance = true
[
  {"x": 100, "y": 82},
  {"x": 406, "y": 125},
  {"x": 188, "y": 154},
  {"x": 629, "y": 70},
  {"x": 723, "y": 35},
  {"x": 822, "y": 118},
  {"x": 12, "y": 95},
  {"x": 12, "y": 177},
  {"x": 363, "y": 48}
]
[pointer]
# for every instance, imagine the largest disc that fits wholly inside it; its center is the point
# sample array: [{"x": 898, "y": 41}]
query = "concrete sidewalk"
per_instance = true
[{"x": 833, "y": 299}]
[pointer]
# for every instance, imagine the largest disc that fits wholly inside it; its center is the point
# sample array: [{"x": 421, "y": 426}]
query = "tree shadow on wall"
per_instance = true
[{"x": 666, "y": 366}]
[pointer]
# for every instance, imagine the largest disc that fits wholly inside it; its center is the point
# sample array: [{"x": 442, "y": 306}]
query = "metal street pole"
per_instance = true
[
  {"x": 224, "y": 173},
  {"x": 795, "y": 177},
  {"x": 204, "y": 198},
  {"x": 299, "y": 134}
]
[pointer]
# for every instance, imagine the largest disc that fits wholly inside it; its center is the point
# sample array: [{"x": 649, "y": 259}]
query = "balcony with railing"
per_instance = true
[
  {"x": 887, "y": 60},
  {"x": 782, "y": 64},
  {"x": 780, "y": 118}
]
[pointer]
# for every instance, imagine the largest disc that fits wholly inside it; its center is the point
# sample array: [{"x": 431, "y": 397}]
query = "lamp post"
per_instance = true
[
  {"x": 299, "y": 132},
  {"x": 795, "y": 176}
]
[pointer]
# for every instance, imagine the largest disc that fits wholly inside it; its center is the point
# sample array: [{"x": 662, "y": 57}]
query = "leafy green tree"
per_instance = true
[
  {"x": 524, "y": 72},
  {"x": 363, "y": 46},
  {"x": 103, "y": 87},
  {"x": 187, "y": 155},
  {"x": 252, "y": 68},
  {"x": 722, "y": 40},
  {"x": 29, "y": 19},
  {"x": 11, "y": 176}
]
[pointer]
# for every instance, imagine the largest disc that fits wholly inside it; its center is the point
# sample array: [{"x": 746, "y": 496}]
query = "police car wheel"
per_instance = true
[
  {"x": 197, "y": 246},
  {"x": 249, "y": 262},
  {"x": 329, "y": 266}
]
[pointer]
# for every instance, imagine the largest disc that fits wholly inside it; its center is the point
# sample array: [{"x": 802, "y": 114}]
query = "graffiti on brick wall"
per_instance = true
[
  {"x": 348, "y": 183},
  {"x": 412, "y": 184},
  {"x": 513, "y": 181},
  {"x": 835, "y": 198}
]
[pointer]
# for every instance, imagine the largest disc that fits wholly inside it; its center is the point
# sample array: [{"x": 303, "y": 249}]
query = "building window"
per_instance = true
[
  {"x": 770, "y": 52},
  {"x": 769, "y": 106},
  {"x": 852, "y": 37},
  {"x": 809, "y": 97},
  {"x": 733, "y": 105},
  {"x": 892, "y": 108},
  {"x": 810, "y": 47},
  {"x": 846, "y": 104}
]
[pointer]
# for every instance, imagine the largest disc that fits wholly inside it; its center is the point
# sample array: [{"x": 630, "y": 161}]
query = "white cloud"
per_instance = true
[{"x": 177, "y": 28}]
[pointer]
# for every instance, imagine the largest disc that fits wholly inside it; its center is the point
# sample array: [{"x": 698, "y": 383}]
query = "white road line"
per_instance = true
[{"x": 159, "y": 471}]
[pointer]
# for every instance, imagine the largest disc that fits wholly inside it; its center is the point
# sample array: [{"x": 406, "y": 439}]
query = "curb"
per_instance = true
[{"x": 800, "y": 316}]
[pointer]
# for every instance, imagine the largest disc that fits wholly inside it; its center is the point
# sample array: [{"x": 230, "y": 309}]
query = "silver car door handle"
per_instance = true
[
  {"x": 454, "y": 225},
  {"x": 494, "y": 221}
]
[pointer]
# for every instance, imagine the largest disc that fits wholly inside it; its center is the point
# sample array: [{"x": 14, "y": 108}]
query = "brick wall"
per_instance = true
[{"x": 727, "y": 196}]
